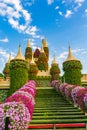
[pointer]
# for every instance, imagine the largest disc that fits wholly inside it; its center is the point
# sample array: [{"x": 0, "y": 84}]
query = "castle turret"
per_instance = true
[
  {"x": 33, "y": 69},
  {"x": 72, "y": 69},
  {"x": 45, "y": 47},
  {"x": 6, "y": 70},
  {"x": 18, "y": 71},
  {"x": 54, "y": 70},
  {"x": 28, "y": 52},
  {"x": 19, "y": 55},
  {"x": 42, "y": 60},
  {"x": 36, "y": 55}
]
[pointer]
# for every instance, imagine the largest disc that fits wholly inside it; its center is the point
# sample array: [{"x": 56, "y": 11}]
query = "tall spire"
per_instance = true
[
  {"x": 32, "y": 61},
  {"x": 70, "y": 55},
  {"x": 28, "y": 44},
  {"x": 44, "y": 42},
  {"x": 42, "y": 50},
  {"x": 9, "y": 59},
  {"x": 19, "y": 54},
  {"x": 54, "y": 60}
]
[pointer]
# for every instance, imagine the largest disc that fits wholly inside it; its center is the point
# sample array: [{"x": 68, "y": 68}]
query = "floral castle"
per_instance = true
[{"x": 37, "y": 65}]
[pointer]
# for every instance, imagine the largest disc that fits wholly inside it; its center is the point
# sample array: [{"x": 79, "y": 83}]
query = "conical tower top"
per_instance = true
[
  {"x": 70, "y": 55},
  {"x": 28, "y": 44},
  {"x": 19, "y": 54},
  {"x": 54, "y": 60},
  {"x": 44, "y": 42},
  {"x": 42, "y": 50},
  {"x": 9, "y": 59}
]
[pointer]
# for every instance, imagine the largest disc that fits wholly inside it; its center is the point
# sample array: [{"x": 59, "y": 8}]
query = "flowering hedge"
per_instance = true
[
  {"x": 75, "y": 94},
  {"x": 19, "y": 107}
]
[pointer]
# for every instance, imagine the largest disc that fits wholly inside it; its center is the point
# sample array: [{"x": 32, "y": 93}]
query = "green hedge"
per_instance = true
[{"x": 18, "y": 74}]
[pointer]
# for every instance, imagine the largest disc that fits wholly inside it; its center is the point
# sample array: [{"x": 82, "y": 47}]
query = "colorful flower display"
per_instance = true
[
  {"x": 74, "y": 93},
  {"x": 19, "y": 107},
  {"x": 18, "y": 114}
]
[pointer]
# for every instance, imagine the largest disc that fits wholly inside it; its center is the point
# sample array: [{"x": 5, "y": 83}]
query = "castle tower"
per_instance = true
[
  {"x": 42, "y": 60},
  {"x": 6, "y": 70},
  {"x": 36, "y": 55},
  {"x": 33, "y": 69},
  {"x": 45, "y": 47},
  {"x": 18, "y": 71},
  {"x": 54, "y": 70},
  {"x": 28, "y": 52},
  {"x": 72, "y": 69}
]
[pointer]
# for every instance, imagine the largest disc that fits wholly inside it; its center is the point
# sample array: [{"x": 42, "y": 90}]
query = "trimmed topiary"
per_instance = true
[
  {"x": 55, "y": 71},
  {"x": 18, "y": 74},
  {"x": 72, "y": 71}
]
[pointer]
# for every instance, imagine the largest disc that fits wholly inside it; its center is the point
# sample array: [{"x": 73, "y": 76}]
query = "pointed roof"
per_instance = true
[
  {"x": 32, "y": 61},
  {"x": 44, "y": 42},
  {"x": 9, "y": 59},
  {"x": 19, "y": 54},
  {"x": 54, "y": 60},
  {"x": 70, "y": 55},
  {"x": 28, "y": 44},
  {"x": 42, "y": 50}
]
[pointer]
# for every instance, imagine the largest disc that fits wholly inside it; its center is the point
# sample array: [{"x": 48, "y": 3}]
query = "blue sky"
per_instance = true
[{"x": 61, "y": 22}]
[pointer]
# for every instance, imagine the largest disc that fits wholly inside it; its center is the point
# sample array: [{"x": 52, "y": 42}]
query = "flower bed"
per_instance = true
[
  {"x": 74, "y": 93},
  {"x": 19, "y": 107}
]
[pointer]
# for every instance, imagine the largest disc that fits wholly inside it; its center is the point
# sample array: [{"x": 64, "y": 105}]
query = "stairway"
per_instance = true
[{"x": 51, "y": 108}]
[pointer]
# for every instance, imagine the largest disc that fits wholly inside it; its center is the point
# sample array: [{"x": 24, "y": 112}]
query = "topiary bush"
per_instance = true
[
  {"x": 18, "y": 74},
  {"x": 72, "y": 71}
]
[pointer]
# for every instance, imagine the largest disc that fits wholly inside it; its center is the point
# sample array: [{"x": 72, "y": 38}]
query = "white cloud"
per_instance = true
[
  {"x": 85, "y": 10},
  {"x": 79, "y": 1},
  {"x": 4, "y": 55},
  {"x": 57, "y": 7},
  {"x": 14, "y": 12},
  {"x": 4, "y": 40},
  {"x": 60, "y": 13},
  {"x": 50, "y": 2},
  {"x": 68, "y": 13}
]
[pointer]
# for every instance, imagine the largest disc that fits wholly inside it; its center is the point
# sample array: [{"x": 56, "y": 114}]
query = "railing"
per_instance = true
[{"x": 54, "y": 126}]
